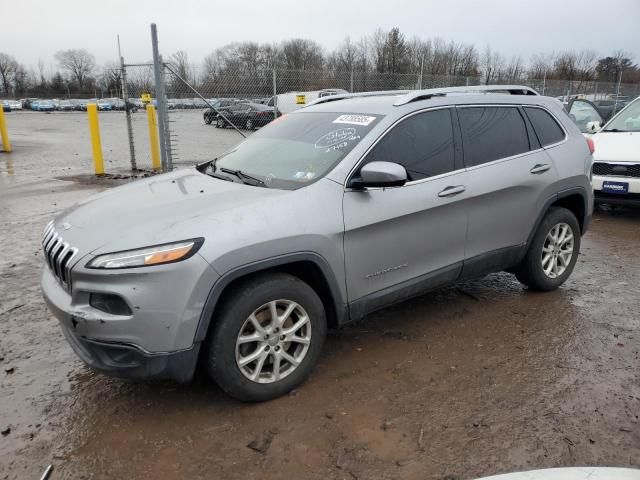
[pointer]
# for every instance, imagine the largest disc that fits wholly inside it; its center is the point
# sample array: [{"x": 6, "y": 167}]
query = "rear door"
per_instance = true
[
  {"x": 510, "y": 179},
  {"x": 400, "y": 241}
]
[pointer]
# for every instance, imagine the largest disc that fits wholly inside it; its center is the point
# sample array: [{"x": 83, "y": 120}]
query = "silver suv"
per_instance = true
[{"x": 353, "y": 203}]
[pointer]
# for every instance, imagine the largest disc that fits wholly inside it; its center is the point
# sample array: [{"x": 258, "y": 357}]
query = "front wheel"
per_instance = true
[
  {"x": 208, "y": 119},
  {"x": 266, "y": 337},
  {"x": 553, "y": 252},
  {"x": 249, "y": 124},
  {"x": 220, "y": 122}
]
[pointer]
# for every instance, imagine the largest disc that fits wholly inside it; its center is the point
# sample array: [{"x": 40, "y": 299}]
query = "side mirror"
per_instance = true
[
  {"x": 380, "y": 174},
  {"x": 593, "y": 126}
]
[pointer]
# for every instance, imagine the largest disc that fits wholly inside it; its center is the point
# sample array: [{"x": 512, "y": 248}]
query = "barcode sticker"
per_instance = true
[{"x": 355, "y": 119}]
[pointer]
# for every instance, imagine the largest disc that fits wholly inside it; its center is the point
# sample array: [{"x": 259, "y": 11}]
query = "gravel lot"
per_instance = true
[{"x": 477, "y": 379}]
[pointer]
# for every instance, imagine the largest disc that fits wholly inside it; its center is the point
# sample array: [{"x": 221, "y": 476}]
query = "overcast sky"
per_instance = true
[{"x": 32, "y": 30}]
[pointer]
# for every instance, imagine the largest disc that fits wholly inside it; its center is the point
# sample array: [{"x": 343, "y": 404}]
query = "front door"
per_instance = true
[{"x": 400, "y": 241}]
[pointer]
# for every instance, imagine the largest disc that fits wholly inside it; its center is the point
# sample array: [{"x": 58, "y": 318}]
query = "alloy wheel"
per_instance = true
[
  {"x": 273, "y": 341},
  {"x": 557, "y": 250}
]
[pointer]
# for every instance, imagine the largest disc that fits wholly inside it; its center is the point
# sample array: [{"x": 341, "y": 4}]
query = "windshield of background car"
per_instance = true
[
  {"x": 628, "y": 120},
  {"x": 297, "y": 149}
]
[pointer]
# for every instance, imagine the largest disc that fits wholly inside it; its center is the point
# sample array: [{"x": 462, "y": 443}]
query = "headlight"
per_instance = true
[{"x": 142, "y": 257}]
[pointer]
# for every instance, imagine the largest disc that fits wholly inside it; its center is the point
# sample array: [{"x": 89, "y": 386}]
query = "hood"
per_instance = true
[
  {"x": 161, "y": 209},
  {"x": 617, "y": 146}
]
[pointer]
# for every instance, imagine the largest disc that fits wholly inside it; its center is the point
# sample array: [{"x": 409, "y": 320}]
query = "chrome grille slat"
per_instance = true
[
  {"x": 58, "y": 255},
  {"x": 52, "y": 249},
  {"x": 57, "y": 259}
]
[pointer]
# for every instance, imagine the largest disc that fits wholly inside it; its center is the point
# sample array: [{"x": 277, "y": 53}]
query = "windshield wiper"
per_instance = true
[
  {"x": 615, "y": 130},
  {"x": 248, "y": 179}
]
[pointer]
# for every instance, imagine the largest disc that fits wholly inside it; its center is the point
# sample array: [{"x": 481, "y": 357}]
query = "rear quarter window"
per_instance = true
[{"x": 546, "y": 127}]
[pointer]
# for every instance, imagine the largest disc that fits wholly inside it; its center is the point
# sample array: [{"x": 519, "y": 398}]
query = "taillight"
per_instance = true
[{"x": 592, "y": 146}]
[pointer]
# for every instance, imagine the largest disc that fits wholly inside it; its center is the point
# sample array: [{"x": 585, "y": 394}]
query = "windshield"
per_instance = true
[
  {"x": 297, "y": 149},
  {"x": 627, "y": 121}
]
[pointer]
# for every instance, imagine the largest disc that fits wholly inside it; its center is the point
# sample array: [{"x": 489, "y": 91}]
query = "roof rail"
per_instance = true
[
  {"x": 416, "y": 95},
  {"x": 343, "y": 96}
]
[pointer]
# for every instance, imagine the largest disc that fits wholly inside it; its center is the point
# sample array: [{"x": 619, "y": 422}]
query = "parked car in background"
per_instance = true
[
  {"x": 117, "y": 104},
  {"x": 616, "y": 167},
  {"x": 104, "y": 105},
  {"x": 248, "y": 116},
  {"x": 288, "y": 102},
  {"x": 317, "y": 220},
  {"x": 27, "y": 103},
  {"x": 608, "y": 108},
  {"x": 586, "y": 115},
  {"x": 211, "y": 114},
  {"x": 45, "y": 106},
  {"x": 15, "y": 104},
  {"x": 65, "y": 106},
  {"x": 6, "y": 105}
]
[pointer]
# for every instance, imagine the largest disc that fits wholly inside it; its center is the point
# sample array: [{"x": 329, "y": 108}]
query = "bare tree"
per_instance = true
[
  {"x": 541, "y": 64},
  {"x": 78, "y": 62},
  {"x": 8, "y": 67},
  {"x": 41, "y": 75},
  {"x": 302, "y": 54},
  {"x": 514, "y": 69},
  {"x": 180, "y": 62},
  {"x": 491, "y": 64}
]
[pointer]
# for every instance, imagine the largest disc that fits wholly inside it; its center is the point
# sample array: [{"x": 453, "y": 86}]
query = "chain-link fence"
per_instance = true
[{"x": 208, "y": 112}]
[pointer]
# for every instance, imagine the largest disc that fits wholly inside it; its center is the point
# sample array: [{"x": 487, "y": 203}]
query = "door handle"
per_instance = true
[
  {"x": 453, "y": 190},
  {"x": 540, "y": 168}
]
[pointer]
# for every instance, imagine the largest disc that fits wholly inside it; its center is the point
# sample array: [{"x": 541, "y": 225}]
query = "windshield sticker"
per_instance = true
[
  {"x": 341, "y": 137},
  {"x": 355, "y": 119},
  {"x": 304, "y": 175}
]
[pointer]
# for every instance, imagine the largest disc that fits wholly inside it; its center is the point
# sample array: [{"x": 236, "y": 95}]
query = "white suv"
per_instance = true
[{"x": 616, "y": 167}]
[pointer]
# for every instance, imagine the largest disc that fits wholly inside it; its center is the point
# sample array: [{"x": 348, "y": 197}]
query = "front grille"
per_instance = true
[
  {"x": 58, "y": 255},
  {"x": 617, "y": 169}
]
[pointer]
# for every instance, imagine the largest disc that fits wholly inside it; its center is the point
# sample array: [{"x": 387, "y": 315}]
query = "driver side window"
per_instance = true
[{"x": 423, "y": 144}]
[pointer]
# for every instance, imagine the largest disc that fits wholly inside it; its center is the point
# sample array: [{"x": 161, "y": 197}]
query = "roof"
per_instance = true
[{"x": 401, "y": 101}]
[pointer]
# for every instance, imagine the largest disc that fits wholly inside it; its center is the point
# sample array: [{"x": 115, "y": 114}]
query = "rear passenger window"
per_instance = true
[
  {"x": 492, "y": 133},
  {"x": 546, "y": 127},
  {"x": 422, "y": 144}
]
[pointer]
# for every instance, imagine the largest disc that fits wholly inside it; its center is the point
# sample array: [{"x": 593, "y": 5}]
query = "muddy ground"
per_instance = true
[{"x": 477, "y": 379}]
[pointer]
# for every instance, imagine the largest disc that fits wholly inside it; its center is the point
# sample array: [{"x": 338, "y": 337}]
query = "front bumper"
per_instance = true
[
  {"x": 129, "y": 361},
  {"x": 632, "y": 198},
  {"x": 156, "y": 339}
]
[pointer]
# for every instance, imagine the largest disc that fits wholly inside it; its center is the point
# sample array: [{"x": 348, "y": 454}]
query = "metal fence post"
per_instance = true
[
  {"x": 161, "y": 99},
  {"x": 351, "y": 82},
  {"x": 275, "y": 94},
  {"x": 127, "y": 110}
]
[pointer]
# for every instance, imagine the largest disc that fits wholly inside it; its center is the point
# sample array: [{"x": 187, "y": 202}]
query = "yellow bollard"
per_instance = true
[
  {"x": 3, "y": 132},
  {"x": 94, "y": 128},
  {"x": 153, "y": 137}
]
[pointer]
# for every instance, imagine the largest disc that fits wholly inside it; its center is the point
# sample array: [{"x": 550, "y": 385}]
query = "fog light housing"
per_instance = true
[{"x": 109, "y": 303}]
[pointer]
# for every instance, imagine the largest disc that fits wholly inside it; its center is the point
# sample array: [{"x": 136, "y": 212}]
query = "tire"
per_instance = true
[
  {"x": 208, "y": 119},
  {"x": 254, "y": 298},
  {"x": 533, "y": 269},
  {"x": 220, "y": 122},
  {"x": 249, "y": 124}
]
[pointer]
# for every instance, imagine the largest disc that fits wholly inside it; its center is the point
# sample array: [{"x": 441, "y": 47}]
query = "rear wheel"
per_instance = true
[
  {"x": 249, "y": 124},
  {"x": 208, "y": 119},
  {"x": 553, "y": 252},
  {"x": 267, "y": 337}
]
